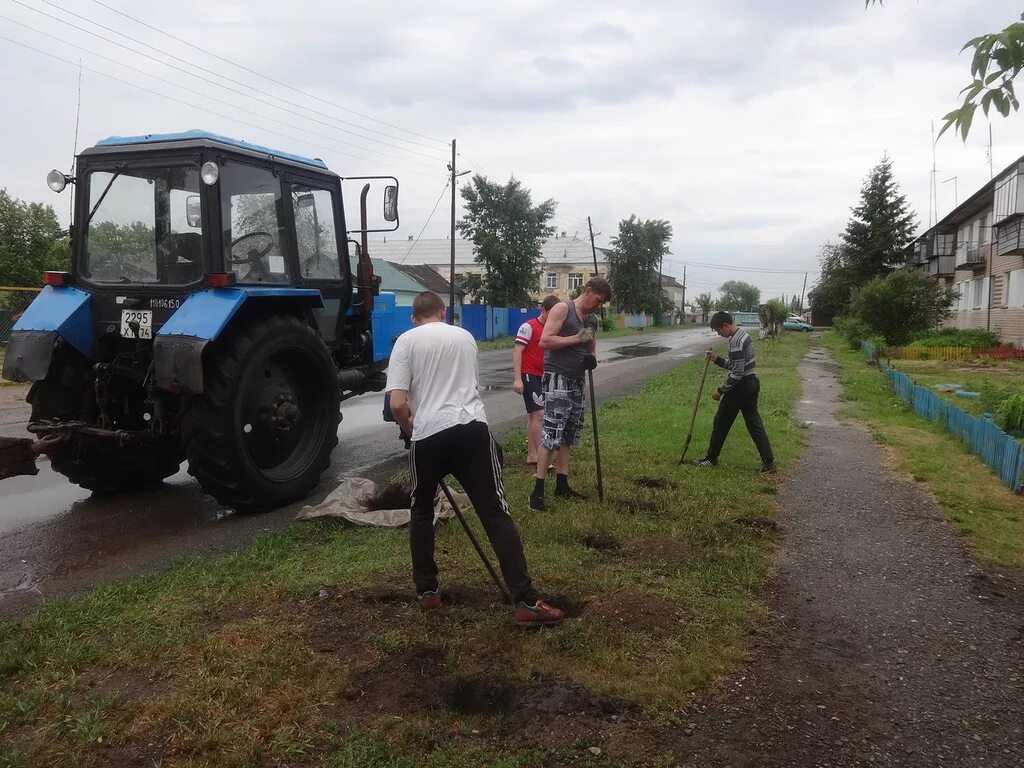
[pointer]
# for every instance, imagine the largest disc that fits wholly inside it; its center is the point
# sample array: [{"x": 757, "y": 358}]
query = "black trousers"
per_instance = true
[
  {"x": 741, "y": 398},
  {"x": 467, "y": 452}
]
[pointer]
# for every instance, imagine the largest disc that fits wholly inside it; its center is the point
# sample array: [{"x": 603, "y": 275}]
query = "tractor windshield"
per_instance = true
[{"x": 144, "y": 226}]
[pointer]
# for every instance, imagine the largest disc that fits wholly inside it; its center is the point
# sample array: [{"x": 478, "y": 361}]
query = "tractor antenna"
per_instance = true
[{"x": 74, "y": 146}]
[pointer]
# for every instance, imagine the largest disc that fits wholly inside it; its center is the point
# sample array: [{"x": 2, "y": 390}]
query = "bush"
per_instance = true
[
  {"x": 609, "y": 322},
  {"x": 1010, "y": 414},
  {"x": 956, "y": 337},
  {"x": 901, "y": 305},
  {"x": 852, "y": 329}
]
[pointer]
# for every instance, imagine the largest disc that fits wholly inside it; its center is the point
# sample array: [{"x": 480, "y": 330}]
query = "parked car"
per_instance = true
[{"x": 796, "y": 324}]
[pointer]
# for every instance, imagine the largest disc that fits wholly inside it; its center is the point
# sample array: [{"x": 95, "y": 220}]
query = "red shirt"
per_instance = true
[{"x": 533, "y": 356}]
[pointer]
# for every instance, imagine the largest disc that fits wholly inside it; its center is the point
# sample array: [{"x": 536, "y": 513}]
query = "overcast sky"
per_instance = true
[{"x": 749, "y": 125}]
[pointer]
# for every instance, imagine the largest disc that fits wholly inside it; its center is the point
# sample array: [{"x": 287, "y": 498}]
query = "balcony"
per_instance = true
[
  {"x": 970, "y": 255},
  {"x": 941, "y": 266}
]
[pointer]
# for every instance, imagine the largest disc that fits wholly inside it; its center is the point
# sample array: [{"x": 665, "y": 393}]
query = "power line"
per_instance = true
[
  {"x": 223, "y": 77},
  {"x": 233, "y": 106},
  {"x": 734, "y": 268},
  {"x": 266, "y": 77},
  {"x": 425, "y": 223},
  {"x": 190, "y": 105}
]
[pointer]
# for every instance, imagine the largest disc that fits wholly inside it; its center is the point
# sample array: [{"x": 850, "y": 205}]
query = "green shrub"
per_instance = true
[
  {"x": 852, "y": 329},
  {"x": 1010, "y": 414},
  {"x": 609, "y": 322},
  {"x": 975, "y": 338},
  {"x": 901, "y": 305}
]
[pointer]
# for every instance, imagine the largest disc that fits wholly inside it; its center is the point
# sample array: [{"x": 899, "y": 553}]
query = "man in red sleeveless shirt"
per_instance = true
[{"x": 528, "y": 369}]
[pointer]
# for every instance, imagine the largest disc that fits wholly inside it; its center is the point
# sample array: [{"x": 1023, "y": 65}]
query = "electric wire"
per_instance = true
[
  {"x": 221, "y": 85},
  {"x": 425, "y": 223},
  {"x": 229, "y": 104},
  {"x": 265, "y": 76},
  {"x": 196, "y": 106}
]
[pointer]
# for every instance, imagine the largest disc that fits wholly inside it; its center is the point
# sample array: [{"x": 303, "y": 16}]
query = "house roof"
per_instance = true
[
  {"x": 977, "y": 202},
  {"x": 393, "y": 279},
  {"x": 555, "y": 251},
  {"x": 426, "y": 276}
]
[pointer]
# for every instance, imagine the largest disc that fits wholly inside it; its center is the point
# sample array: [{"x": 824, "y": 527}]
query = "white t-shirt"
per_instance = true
[{"x": 437, "y": 364}]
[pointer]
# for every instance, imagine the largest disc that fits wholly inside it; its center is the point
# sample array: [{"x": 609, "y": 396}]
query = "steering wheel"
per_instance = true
[
  {"x": 254, "y": 258},
  {"x": 254, "y": 253}
]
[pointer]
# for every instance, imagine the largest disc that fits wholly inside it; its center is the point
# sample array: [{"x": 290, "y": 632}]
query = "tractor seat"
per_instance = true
[{"x": 181, "y": 254}]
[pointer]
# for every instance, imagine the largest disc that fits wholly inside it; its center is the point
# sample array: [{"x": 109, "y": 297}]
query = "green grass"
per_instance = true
[
  {"x": 506, "y": 342},
  {"x": 227, "y": 661},
  {"x": 995, "y": 380},
  {"x": 973, "y": 499}
]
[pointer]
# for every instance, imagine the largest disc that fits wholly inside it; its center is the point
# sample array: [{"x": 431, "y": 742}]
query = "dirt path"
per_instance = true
[{"x": 893, "y": 646}]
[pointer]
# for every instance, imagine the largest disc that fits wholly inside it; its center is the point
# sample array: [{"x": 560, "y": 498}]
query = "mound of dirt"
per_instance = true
[
  {"x": 658, "y": 549},
  {"x": 635, "y": 610}
]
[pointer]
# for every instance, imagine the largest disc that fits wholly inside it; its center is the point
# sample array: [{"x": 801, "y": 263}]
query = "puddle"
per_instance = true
[{"x": 640, "y": 350}]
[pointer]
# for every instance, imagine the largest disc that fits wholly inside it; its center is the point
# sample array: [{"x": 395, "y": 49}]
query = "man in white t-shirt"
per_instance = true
[{"x": 432, "y": 382}]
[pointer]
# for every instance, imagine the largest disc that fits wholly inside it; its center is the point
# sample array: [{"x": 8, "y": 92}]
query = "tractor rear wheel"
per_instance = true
[
  {"x": 262, "y": 432},
  {"x": 97, "y": 465}
]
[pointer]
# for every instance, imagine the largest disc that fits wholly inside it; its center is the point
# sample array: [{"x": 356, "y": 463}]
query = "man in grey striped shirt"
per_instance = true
[{"x": 738, "y": 394}]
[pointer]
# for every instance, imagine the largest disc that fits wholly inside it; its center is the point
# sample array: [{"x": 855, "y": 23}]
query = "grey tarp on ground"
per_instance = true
[{"x": 349, "y": 501}]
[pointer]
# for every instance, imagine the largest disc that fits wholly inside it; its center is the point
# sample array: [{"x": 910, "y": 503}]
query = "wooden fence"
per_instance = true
[
  {"x": 951, "y": 353},
  {"x": 1003, "y": 453}
]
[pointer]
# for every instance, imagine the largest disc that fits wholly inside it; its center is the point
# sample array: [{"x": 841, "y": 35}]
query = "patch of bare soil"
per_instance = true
[
  {"x": 658, "y": 549},
  {"x": 634, "y": 610},
  {"x": 601, "y": 540},
  {"x": 654, "y": 482},
  {"x": 128, "y": 685}
]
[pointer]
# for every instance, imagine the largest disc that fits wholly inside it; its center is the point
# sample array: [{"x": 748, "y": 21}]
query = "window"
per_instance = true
[
  {"x": 1006, "y": 196},
  {"x": 253, "y": 224},
  {"x": 139, "y": 231},
  {"x": 316, "y": 238},
  {"x": 552, "y": 281},
  {"x": 575, "y": 280},
  {"x": 980, "y": 293},
  {"x": 1015, "y": 289}
]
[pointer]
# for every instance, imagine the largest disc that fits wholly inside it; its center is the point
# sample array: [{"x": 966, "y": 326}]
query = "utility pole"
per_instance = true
[
  {"x": 451, "y": 274},
  {"x": 804, "y": 288},
  {"x": 684, "y": 290},
  {"x": 451, "y": 277},
  {"x": 593, "y": 249}
]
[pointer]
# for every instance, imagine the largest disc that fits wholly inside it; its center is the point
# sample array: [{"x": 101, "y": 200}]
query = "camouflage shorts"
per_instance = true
[{"x": 563, "y": 411}]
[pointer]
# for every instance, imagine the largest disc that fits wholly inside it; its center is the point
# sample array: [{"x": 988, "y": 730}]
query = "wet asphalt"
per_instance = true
[{"x": 58, "y": 539}]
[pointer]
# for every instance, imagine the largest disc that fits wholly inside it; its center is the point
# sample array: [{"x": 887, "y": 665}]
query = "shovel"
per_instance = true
[
  {"x": 693, "y": 416},
  {"x": 476, "y": 543}
]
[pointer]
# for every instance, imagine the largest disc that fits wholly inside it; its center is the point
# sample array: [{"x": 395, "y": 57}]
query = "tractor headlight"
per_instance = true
[
  {"x": 210, "y": 173},
  {"x": 56, "y": 180}
]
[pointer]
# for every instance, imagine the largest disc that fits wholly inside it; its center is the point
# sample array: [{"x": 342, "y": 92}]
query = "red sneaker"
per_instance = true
[
  {"x": 540, "y": 614},
  {"x": 429, "y": 600}
]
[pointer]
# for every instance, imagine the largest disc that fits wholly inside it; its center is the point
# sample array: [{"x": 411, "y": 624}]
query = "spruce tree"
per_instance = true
[{"x": 882, "y": 225}]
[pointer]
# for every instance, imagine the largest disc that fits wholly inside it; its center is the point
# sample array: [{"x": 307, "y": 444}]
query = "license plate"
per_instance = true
[{"x": 137, "y": 323}]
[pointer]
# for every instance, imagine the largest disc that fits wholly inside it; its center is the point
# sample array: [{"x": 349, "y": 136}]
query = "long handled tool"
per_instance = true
[
  {"x": 476, "y": 543},
  {"x": 693, "y": 416},
  {"x": 597, "y": 443}
]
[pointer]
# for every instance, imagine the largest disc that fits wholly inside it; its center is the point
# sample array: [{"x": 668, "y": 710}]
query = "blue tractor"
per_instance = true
[{"x": 212, "y": 315}]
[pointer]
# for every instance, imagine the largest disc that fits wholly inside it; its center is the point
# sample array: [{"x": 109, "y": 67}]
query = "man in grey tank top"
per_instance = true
[{"x": 569, "y": 344}]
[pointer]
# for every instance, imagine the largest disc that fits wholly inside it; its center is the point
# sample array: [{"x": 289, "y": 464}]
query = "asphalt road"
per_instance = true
[{"x": 58, "y": 539}]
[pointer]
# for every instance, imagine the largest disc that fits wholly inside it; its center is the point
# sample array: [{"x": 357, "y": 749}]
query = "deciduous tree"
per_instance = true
[{"x": 507, "y": 231}]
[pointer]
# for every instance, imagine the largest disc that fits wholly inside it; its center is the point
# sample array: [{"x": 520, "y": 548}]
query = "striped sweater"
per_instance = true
[{"x": 741, "y": 362}]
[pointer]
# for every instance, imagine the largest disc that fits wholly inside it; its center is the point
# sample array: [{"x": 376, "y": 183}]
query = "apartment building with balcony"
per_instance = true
[{"x": 978, "y": 250}]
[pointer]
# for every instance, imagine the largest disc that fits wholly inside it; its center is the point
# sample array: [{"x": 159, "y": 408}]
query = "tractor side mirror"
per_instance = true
[
  {"x": 391, "y": 202},
  {"x": 305, "y": 201},
  {"x": 192, "y": 211}
]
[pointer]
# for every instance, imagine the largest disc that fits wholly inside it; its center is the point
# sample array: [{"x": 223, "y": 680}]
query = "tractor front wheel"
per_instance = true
[{"x": 262, "y": 433}]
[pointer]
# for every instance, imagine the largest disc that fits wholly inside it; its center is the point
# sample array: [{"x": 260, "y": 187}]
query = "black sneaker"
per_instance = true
[
  {"x": 537, "y": 503},
  {"x": 767, "y": 469},
  {"x": 705, "y": 462},
  {"x": 569, "y": 493}
]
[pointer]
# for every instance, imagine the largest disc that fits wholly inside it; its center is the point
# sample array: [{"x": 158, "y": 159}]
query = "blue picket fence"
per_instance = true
[{"x": 1003, "y": 453}]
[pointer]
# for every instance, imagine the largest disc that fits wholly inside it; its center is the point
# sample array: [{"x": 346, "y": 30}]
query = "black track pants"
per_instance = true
[
  {"x": 467, "y": 452},
  {"x": 741, "y": 398}
]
